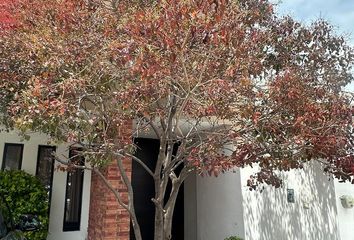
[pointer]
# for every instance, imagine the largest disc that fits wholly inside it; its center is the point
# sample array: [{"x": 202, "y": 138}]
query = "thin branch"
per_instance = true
[
  {"x": 115, "y": 192},
  {"x": 129, "y": 186},
  {"x": 67, "y": 163},
  {"x": 94, "y": 169},
  {"x": 153, "y": 126},
  {"x": 138, "y": 160},
  {"x": 334, "y": 168}
]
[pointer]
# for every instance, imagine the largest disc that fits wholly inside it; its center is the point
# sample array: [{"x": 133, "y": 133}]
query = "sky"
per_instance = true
[{"x": 340, "y": 13}]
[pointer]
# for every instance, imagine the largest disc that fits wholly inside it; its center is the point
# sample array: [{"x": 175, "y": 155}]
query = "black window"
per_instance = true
[
  {"x": 73, "y": 198},
  {"x": 45, "y": 167},
  {"x": 12, "y": 158}
]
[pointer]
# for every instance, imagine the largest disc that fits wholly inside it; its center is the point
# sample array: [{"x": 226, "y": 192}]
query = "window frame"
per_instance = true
[
  {"x": 54, "y": 148},
  {"x": 19, "y": 167},
  {"x": 74, "y": 226}
]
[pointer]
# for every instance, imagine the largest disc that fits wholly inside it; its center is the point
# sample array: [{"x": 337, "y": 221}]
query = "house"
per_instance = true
[
  {"x": 307, "y": 207},
  {"x": 33, "y": 156}
]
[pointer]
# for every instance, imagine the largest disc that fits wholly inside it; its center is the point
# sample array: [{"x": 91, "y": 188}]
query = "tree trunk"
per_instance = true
[
  {"x": 159, "y": 223},
  {"x": 170, "y": 207},
  {"x": 136, "y": 226},
  {"x": 168, "y": 224}
]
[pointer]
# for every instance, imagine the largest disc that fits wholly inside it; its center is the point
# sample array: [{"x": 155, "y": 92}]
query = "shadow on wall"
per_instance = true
[{"x": 312, "y": 216}]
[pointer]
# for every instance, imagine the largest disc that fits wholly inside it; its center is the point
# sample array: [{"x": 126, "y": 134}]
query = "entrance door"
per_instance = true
[{"x": 144, "y": 190}]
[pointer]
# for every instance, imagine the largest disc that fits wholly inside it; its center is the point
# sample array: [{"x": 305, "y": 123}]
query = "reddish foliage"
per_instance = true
[
  {"x": 7, "y": 20},
  {"x": 225, "y": 72}
]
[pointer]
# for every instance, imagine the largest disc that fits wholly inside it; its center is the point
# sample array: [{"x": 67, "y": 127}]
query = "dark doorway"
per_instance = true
[{"x": 144, "y": 190}]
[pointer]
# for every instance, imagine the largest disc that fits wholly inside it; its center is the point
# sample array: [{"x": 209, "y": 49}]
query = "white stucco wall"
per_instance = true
[
  {"x": 216, "y": 208},
  {"x": 29, "y": 163},
  {"x": 313, "y": 215},
  {"x": 345, "y": 216},
  {"x": 214, "y": 211}
]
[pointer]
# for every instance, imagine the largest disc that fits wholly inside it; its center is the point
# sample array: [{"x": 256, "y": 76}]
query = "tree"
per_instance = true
[{"x": 209, "y": 75}]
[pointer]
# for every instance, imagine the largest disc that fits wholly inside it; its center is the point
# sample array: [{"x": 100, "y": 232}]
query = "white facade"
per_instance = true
[
  {"x": 29, "y": 162},
  {"x": 345, "y": 216},
  {"x": 216, "y": 208},
  {"x": 213, "y": 207},
  {"x": 224, "y": 207},
  {"x": 312, "y": 216}
]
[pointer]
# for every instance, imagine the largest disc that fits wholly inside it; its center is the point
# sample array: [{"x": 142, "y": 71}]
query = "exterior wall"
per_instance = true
[
  {"x": 29, "y": 163},
  {"x": 219, "y": 207},
  {"x": 345, "y": 216},
  {"x": 213, "y": 207},
  {"x": 107, "y": 219},
  {"x": 313, "y": 215},
  {"x": 190, "y": 208}
]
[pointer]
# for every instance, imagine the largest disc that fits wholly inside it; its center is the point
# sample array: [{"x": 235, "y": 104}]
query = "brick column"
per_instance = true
[{"x": 107, "y": 219}]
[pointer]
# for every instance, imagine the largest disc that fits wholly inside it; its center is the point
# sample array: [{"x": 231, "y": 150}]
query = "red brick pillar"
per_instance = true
[{"x": 107, "y": 219}]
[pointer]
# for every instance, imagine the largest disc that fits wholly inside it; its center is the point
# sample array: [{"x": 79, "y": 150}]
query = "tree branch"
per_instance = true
[
  {"x": 127, "y": 182},
  {"x": 138, "y": 160},
  {"x": 115, "y": 192}
]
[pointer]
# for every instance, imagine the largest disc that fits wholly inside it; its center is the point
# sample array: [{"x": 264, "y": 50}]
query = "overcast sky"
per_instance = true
[{"x": 339, "y": 13}]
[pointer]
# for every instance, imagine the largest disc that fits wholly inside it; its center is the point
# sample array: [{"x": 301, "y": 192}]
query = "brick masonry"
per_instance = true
[{"x": 107, "y": 219}]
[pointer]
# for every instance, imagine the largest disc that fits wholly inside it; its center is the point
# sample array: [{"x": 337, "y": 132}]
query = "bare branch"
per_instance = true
[
  {"x": 138, "y": 160},
  {"x": 115, "y": 192}
]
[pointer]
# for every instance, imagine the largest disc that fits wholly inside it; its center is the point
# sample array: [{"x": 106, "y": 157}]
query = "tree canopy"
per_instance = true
[{"x": 210, "y": 75}]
